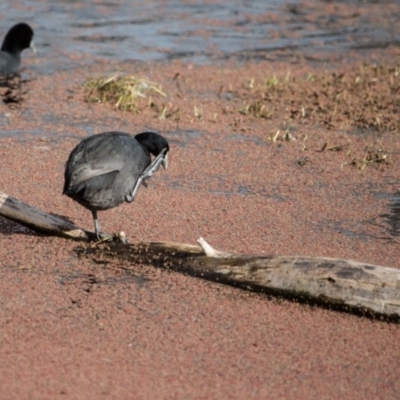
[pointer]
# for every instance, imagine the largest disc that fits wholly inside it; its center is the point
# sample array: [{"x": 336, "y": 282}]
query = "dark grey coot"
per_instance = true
[
  {"x": 107, "y": 169},
  {"x": 18, "y": 38}
]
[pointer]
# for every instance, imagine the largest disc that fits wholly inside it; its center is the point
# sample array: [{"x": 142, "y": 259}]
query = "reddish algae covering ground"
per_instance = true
[{"x": 72, "y": 329}]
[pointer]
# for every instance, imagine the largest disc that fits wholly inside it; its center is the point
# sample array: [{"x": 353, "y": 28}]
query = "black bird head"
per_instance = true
[
  {"x": 18, "y": 38},
  {"x": 155, "y": 144}
]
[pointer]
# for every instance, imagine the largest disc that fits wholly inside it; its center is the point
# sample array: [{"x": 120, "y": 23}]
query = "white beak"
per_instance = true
[{"x": 32, "y": 47}]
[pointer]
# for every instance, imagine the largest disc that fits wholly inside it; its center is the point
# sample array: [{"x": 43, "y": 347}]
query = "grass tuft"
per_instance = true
[
  {"x": 123, "y": 92},
  {"x": 368, "y": 97}
]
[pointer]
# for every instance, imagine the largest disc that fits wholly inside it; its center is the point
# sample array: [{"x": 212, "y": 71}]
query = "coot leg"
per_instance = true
[
  {"x": 97, "y": 227},
  {"x": 162, "y": 158}
]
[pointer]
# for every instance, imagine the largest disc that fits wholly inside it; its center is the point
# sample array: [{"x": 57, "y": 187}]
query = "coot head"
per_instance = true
[
  {"x": 18, "y": 38},
  {"x": 155, "y": 145}
]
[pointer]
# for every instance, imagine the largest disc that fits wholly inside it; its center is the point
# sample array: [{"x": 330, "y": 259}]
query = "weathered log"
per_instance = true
[
  {"x": 335, "y": 283},
  {"x": 39, "y": 221},
  {"x": 345, "y": 285}
]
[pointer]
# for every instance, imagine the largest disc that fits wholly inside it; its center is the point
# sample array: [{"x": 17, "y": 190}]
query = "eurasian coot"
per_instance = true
[
  {"x": 107, "y": 169},
  {"x": 18, "y": 38}
]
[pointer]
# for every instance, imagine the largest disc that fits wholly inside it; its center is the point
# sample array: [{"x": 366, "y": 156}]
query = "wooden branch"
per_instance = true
[
  {"x": 335, "y": 283},
  {"x": 38, "y": 220}
]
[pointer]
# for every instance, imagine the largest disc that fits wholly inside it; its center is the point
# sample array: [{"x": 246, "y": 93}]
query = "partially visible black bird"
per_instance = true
[
  {"x": 18, "y": 38},
  {"x": 107, "y": 169}
]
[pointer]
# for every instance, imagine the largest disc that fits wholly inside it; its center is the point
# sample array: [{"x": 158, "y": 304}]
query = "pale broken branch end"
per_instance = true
[
  {"x": 76, "y": 234},
  {"x": 210, "y": 251}
]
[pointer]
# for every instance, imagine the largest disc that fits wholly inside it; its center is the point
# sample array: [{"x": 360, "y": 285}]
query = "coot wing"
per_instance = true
[
  {"x": 99, "y": 155},
  {"x": 86, "y": 172}
]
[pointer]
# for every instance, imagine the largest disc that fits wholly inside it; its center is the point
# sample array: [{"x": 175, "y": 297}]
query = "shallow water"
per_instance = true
[{"x": 199, "y": 31}]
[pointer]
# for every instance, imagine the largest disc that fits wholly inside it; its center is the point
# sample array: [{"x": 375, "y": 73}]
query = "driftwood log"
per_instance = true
[
  {"x": 40, "y": 221},
  {"x": 334, "y": 283}
]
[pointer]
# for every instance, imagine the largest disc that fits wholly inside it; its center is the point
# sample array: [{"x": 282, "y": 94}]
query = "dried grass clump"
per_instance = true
[{"x": 123, "y": 92}]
